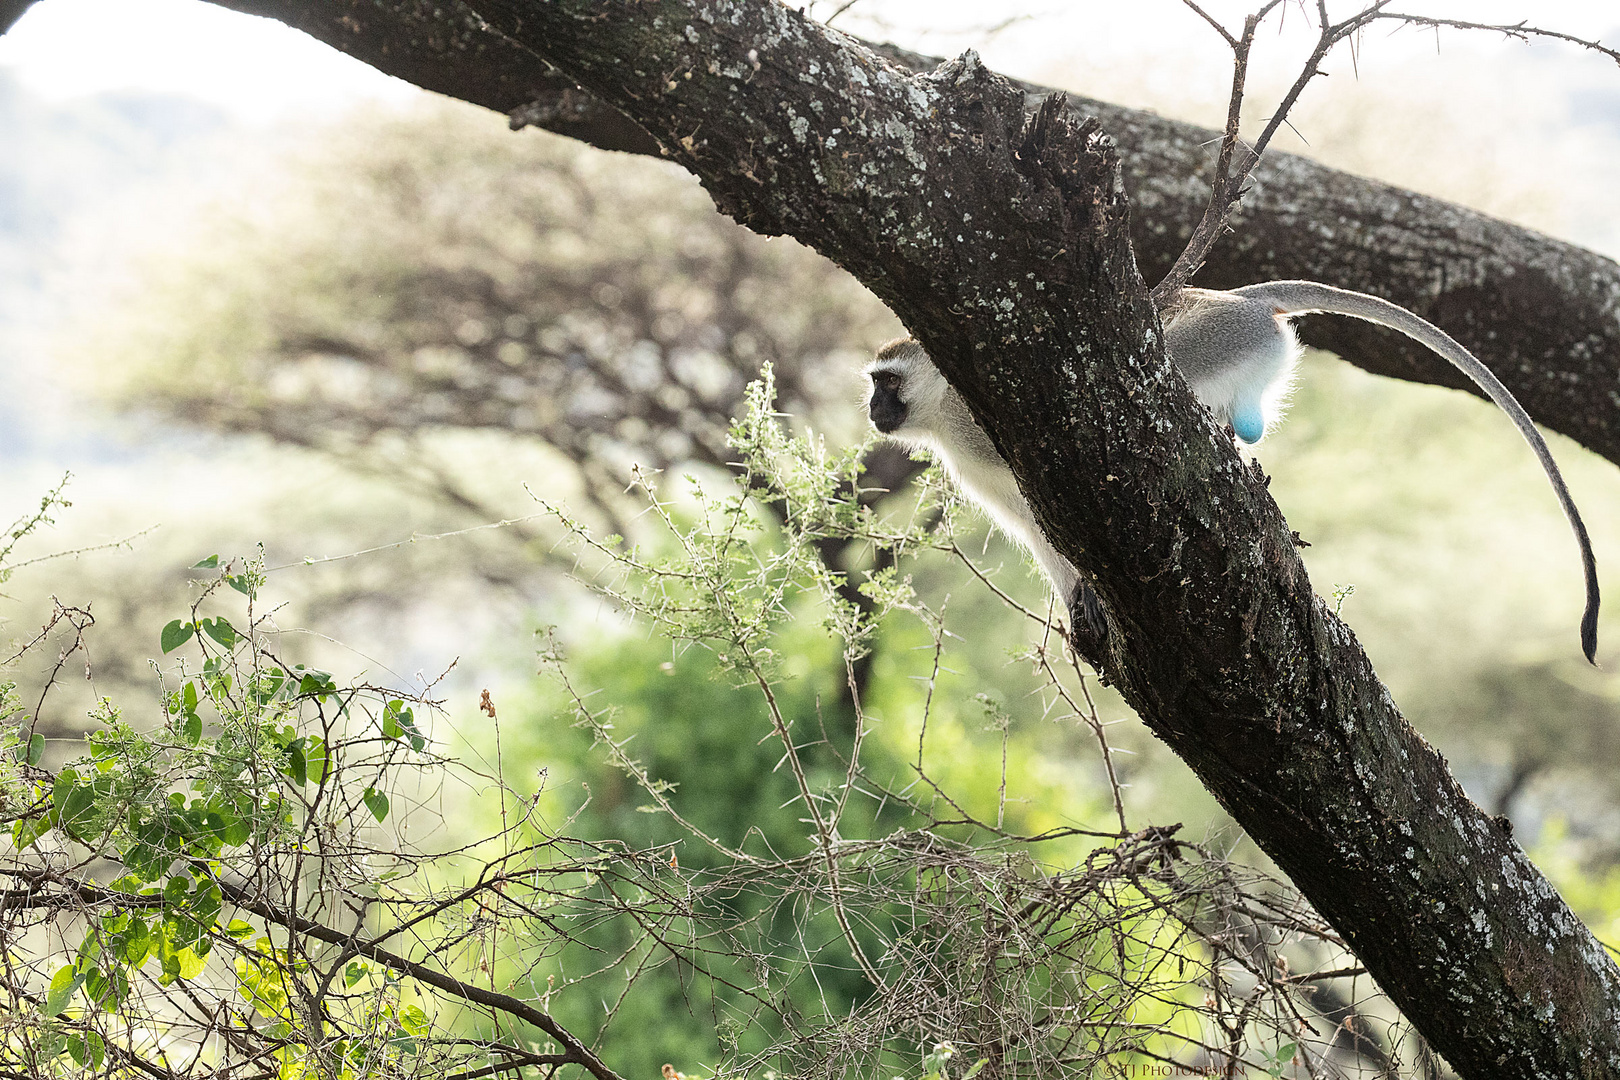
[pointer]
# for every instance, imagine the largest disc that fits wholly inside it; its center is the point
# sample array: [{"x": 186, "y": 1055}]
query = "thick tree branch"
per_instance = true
[
  {"x": 1543, "y": 314},
  {"x": 1004, "y": 245},
  {"x": 11, "y": 11}
]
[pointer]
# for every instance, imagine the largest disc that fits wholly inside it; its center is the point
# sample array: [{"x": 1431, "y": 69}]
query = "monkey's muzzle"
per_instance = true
[{"x": 885, "y": 408}]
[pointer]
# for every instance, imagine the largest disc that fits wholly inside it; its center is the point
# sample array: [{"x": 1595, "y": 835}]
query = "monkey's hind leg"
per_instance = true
[{"x": 1088, "y": 624}]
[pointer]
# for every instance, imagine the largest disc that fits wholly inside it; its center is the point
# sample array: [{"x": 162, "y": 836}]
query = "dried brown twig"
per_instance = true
[{"x": 1235, "y": 160}]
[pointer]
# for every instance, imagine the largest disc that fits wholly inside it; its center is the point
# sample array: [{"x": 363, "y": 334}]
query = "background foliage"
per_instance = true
[
  {"x": 270, "y": 880},
  {"x": 383, "y": 338}
]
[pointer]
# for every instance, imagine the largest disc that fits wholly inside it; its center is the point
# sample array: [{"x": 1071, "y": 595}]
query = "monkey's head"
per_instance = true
[{"x": 907, "y": 393}]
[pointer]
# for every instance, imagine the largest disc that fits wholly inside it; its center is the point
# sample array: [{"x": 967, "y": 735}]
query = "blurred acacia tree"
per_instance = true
[{"x": 440, "y": 275}]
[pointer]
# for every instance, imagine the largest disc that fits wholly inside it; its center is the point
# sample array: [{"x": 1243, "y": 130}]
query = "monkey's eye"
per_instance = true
[{"x": 887, "y": 380}]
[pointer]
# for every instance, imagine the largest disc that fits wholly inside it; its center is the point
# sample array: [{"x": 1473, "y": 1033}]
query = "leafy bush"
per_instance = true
[{"x": 277, "y": 878}]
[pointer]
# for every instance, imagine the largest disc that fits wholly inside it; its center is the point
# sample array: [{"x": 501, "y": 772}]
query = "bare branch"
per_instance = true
[
  {"x": 577, "y": 1053},
  {"x": 1219, "y": 29},
  {"x": 1236, "y": 162},
  {"x": 1520, "y": 31}
]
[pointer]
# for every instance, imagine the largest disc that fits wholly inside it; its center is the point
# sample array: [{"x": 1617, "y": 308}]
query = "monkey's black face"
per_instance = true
[{"x": 885, "y": 408}]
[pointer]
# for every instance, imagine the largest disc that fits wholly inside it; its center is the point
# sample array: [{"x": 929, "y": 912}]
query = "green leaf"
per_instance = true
[
  {"x": 168, "y": 953},
  {"x": 176, "y": 890},
  {"x": 98, "y": 987},
  {"x": 228, "y": 821},
  {"x": 192, "y": 731},
  {"x": 97, "y": 1049},
  {"x": 376, "y": 802},
  {"x": 36, "y": 748},
  {"x": 407, "y": 720},
  {"x": 413, "y": 1020},
  {"x": 89, "y": 950},
  {"x": 176, "y": 634},
  {"x": 400, "y": 722},
  {"x": 29, "y": 829},
  {"x": 191, "y": 964},
  {"x": 297, "y": 765},
  {"x": 353, "y": 974},
  {"x": 217, "y": 676},
  {"x": 1279, "y": 1060},
  {"x": 73, "y": 807},
  {"x": 137, "y": 944},
  {"x": 146, "y": 862},
  {"x": 390, "y": 725},
  {"x": 974, "y": 1071},
  {"x": 315, "y": 758},
  {"x": 64, "y": 984},
  {"x": 318, "y": 683},
  {"x": 188, "y": 697},
  {"x": 210, "y": 563},
  {"x": 221, "y": 631},
  {"x": 181, "y": 930},
  {"x": 205, "y": 904}
]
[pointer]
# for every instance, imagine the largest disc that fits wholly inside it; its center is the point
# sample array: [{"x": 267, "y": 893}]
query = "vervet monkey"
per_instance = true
[{"x": 1237, "y": 351}]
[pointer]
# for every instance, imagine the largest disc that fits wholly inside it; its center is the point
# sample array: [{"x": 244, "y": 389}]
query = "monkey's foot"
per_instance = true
[{"x": 1088, "y": 625}]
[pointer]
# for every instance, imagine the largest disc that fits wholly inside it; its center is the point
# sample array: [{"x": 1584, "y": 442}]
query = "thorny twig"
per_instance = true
[
  {"x": 1043, "y": 951},
  {"x": 1235, "y": 160}
]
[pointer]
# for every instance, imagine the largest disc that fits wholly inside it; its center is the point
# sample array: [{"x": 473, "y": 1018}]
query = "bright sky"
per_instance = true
[
  {"x": 260, "y": 70},
  {"x": 255, "y": 68}
]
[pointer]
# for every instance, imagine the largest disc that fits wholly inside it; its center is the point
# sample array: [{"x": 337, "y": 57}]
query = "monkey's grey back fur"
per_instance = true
[{"x": 1236, "y": 355}]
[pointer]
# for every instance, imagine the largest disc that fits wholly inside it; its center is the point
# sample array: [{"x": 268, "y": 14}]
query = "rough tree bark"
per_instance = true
[
  {"x": 1004, "y": 242},
  {"x": 1544, "y": 314}
]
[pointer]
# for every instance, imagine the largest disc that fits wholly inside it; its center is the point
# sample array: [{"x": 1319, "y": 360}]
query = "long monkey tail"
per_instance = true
[{"x": 1305, "y": 297}]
